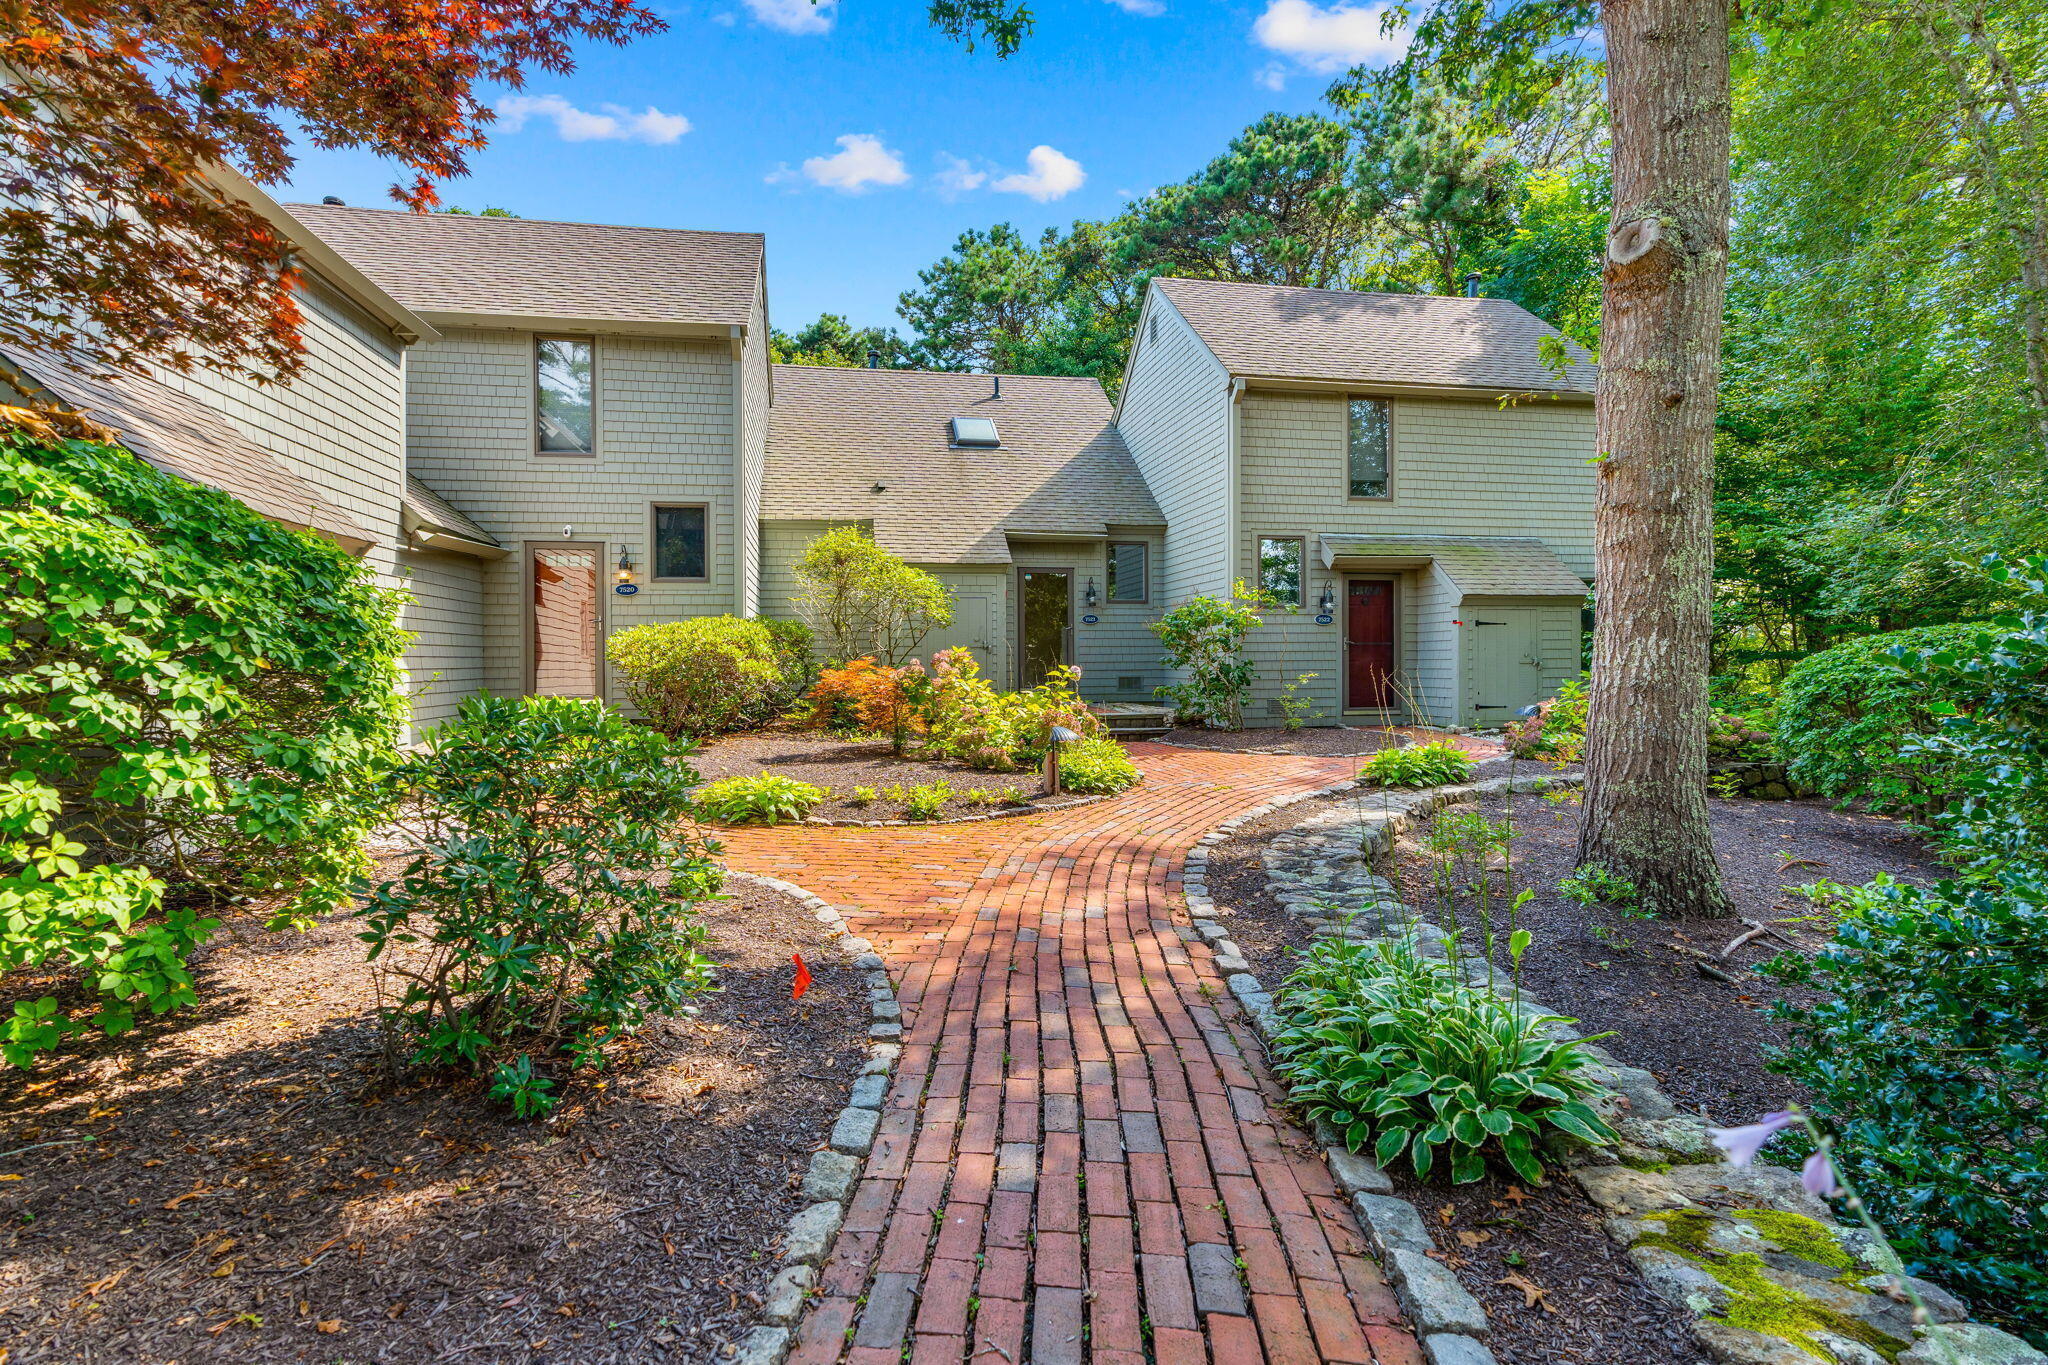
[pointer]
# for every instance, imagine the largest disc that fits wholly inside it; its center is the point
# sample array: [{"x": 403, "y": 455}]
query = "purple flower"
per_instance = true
[
  {"x": 1742, "y": 1144},
  {"x": 1818, "y": 1175}
]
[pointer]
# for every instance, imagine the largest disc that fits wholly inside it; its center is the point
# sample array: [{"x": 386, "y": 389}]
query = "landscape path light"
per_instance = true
[{"x": 1060, "y": 735}]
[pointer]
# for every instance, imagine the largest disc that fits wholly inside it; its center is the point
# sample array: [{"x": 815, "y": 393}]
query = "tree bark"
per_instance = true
[{"x": 1665, "y": 280}]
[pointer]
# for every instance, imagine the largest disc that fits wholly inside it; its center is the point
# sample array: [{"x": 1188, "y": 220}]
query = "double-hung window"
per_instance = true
[
  {"x": 1127, "y": 571},
  {"x": 1280, "y": 565}
]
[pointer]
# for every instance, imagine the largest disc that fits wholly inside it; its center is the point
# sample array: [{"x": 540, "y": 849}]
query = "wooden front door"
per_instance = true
[
  {"x": 1044, "y": 622},
  {"x": 563, "y": 627},
  {"x": 1369, "y": 645}
]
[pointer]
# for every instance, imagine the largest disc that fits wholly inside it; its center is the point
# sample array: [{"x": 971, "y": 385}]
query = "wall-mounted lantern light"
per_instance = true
[
  {"x": 625, "y": 574},
  {"x": 1328, "y": 601},
  {"x": 1090, "y": 596}
]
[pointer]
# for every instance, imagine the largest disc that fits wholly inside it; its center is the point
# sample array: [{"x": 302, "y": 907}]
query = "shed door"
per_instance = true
[
  {"x": 1507, "y": 661},
  {"x": 1369, "y": 645}
]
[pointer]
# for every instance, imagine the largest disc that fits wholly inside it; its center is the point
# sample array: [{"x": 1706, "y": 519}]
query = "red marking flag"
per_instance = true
[{"x": 803, "y": 977}]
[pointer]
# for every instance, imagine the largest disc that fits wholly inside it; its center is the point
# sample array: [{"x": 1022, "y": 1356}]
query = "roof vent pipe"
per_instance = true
[
  {"x": 999, "y": 386},
  {"x": 335, "y": 200},
  {"x": 874, "y": 359},
  {"x": 1472, "y": 285}
]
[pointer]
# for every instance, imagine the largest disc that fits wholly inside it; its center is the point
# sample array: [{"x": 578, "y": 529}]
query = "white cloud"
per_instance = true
[
  {"x": 724, "y": 19},
  {"x": 861, "y": 161},
  {"x": 613, "y": 124},
  {"x": 957, "y": 176},
  {"x": 1273, "y": 75},
  {"x": 1053, "y": 175},
  {"x": 1151, "y": 9},
  {"x": 1329, "y": 39},
  {"x": 794, "y": 16}
]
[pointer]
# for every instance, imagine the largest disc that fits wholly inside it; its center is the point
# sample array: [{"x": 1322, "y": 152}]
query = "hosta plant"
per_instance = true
[
  {"x": 1404, "y": 1058},
  {"x": 763, "y": 799},
  {"x": 1419, "y": 765}
]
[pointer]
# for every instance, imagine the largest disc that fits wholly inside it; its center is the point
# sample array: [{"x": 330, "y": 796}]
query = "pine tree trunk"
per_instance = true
[{"x": 1645, "y": 808}]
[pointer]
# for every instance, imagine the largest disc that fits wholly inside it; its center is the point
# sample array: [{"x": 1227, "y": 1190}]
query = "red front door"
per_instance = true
[{"x": 1369, "y": 645}]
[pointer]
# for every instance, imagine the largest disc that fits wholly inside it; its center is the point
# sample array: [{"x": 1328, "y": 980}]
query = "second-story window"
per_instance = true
[
  {"x": 565, "y": 396},
  {"x": 1370, "y": 429},
  {"x": 1280, "y": 568}
]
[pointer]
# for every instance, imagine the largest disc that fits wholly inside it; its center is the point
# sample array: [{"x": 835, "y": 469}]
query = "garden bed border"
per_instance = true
[
  {"x": 835, "y": 1170},
  {"x": 1664, "y": 1163}
]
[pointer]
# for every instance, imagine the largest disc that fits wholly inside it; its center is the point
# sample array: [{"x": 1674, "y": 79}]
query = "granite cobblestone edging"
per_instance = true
[
  {"x": 834, "y": 1171},
  {"x": 1768, "y": 1275}
]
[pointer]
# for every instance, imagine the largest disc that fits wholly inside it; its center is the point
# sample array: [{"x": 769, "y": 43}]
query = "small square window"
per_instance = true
[
  {"x": 1370, "y": 426},
  {"x": 1127, "y": 571},
  {"x": 1280, "y": 568},
  {"x": 565, "y": 396},
  {"x": 681, "y": 543}
]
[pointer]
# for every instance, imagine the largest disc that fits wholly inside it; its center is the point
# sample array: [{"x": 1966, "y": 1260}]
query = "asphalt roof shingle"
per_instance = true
[
  {"x": 1284, "y": 332},
  {"x": 529, "y": 267},
  {"x": 1479, "y": 566},
  {"x": 182, "y": 435},
  {"x": 1062, "y": 469}
]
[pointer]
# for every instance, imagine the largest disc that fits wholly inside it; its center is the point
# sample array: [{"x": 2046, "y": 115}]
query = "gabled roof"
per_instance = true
[
  {"x": 457, "y": 268},
  {"x": 1403, "y": 340},
  {"x": 1477, "y": 566},
  {"x": 1062, "y": 469},
  {"x": 181, "y": 435}
]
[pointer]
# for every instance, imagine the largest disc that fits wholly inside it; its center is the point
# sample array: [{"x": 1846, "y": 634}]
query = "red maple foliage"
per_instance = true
[{"x": 116, "y": 238}]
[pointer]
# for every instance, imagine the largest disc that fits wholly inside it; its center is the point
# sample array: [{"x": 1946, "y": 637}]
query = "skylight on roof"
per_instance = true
[{"x": 975, "y": 431}]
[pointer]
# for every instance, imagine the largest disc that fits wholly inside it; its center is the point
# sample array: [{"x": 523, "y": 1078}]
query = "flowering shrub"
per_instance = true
[
  {"x": 1558, "y": 729},
  {"x": 552, "y": 906},
  {"x": 1418, "y": 765},
  {"x": 1398, "y": 1051},
  {"x": 765, "y": 799},
  {"x": 705, "y": 675},
  {"x": 969, "y": 720},
  {"x": 1096, "y": 766},
  {"x": 192, "y": 698},
  {"x": 1846, "y": 716}
]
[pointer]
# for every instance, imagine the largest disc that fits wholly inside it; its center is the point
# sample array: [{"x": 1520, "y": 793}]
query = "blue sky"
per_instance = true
[{"x": 863, "y": 143}]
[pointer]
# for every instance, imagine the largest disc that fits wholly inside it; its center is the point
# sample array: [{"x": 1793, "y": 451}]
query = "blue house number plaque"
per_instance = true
[
  {"x": 1325, "y": 619},
  {"x": 1090, "y": 619},
  {"x": 626, "y": 589}
]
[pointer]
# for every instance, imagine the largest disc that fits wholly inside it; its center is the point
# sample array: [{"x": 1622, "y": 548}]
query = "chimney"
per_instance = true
[
  {"x": 1472, "y": 285},
  {"x": 874, "y": 359},
  {"x": 335, "y": 200}
]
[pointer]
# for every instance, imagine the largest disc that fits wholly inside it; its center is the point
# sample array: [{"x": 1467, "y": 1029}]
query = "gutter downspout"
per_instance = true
[{"x": 1233, "y": 503}]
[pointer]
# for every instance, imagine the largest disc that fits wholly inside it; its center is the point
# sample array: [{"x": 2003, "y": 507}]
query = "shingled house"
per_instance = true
[{"x": 548, "y": 431}]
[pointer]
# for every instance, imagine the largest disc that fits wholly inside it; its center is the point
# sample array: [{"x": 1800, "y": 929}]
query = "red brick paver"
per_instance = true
[{"x": 1080, "y": 1157}]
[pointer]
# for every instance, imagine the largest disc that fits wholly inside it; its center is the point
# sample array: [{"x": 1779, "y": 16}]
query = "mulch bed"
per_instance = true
[
  {"x": 257, "y": 1192},
  {"x": 840, "y": 765},
  {"x": 1328, "y": 741},
  {"x": 1702, "y": 1039}
]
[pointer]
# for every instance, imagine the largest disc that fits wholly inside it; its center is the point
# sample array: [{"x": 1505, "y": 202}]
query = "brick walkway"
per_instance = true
[{"x": 1077, "y": 1158}]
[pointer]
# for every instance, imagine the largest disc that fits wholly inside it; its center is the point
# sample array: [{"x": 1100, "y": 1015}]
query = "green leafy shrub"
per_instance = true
[
  {"x": 1846, "y": 716},
  {"x": 861, "y": 796},
  {"x": 552, "y": 907},
  {"x": 195, "y": 704},
  {"x": 863, "y": 601},
  {"x": 1420, "y": 765},
  {"x": 763, "y": 799},
  {"x": 1096, "y": 766},
  {"x": 1204, "y": 636},
  {"x": 1925, "y": 1044},
  {"x": 706, "y": 675},
  {"x": 1591, "y": 886},
  {"x": 1399, "y": 1053}
]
